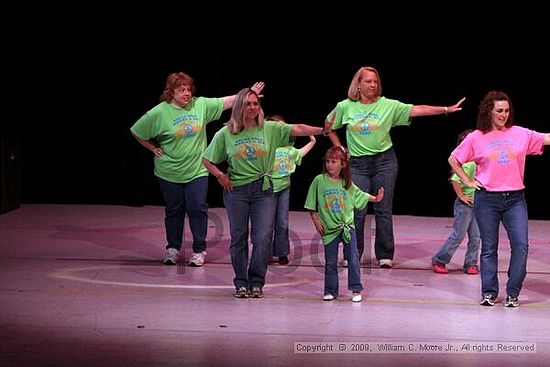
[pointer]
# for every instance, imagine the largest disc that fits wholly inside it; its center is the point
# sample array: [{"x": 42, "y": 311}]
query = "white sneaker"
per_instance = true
[
  {"x": 197, "y": 259},
  {"x": 356, "y": 297},
  {"x": 171, "y": 256},
  {"x": 385, "y": 263},
  {"x": 328, "y": 297}
]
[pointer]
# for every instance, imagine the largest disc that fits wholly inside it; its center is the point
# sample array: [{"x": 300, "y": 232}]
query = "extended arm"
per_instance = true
[
  {"x": 547, "y": 139},
  {"x": 305, "y": 130},
  {"x": 425, "y": 110}
]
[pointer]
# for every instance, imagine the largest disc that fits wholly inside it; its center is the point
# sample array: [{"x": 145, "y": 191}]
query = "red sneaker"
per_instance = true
[
  {"x": 472, "y": 270},
  {"x": 440, "y": 268}
]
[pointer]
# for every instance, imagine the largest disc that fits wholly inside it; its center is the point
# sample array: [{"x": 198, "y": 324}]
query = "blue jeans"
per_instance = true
[
  {"x": 464, "y": 222},
  {"x": 331, "y": 266},
  {"x": 369, "y": 173},
  {"x": 181, "y": 198},
  {"x": 248, "y": 203},
  {"x": 510, "y": 208},
  {"x": 281, "y": 243}
]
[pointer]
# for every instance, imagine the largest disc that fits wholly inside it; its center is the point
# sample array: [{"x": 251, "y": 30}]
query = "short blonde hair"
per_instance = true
[{"x": 353, "y": 91}]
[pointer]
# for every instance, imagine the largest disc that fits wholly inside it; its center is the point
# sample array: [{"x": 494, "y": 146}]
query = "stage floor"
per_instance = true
[{"x": 84, "y": 285}]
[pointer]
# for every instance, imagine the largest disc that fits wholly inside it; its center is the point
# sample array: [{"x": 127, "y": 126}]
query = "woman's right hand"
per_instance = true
[{"x": 224, "y": 180}]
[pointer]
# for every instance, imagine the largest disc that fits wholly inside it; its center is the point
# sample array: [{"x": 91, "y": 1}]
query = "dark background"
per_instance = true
[{"x": 88, "y": 77}]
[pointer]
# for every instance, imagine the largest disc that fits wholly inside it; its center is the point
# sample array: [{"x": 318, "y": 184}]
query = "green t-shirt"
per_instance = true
[
  {"x": 368, "y": 125},
  {"x": 334, "y": 204},
  {"x": 470, "y": 170},
  {"x": 250, "y": 154},
  {"x": 181, "y": 133},
  {"x": 286, "y": 160}
]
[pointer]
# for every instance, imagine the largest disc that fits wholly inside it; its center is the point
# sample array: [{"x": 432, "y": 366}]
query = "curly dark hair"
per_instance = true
[{"x": 486, "y": 107}]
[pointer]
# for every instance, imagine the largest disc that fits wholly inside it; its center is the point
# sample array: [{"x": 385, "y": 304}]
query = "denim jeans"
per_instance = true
[
  {"x": 248, "y": 203},
  {"x": 181, "y": 198},
  {"x": 281, "y": 243},
  {"x": 370, "y": 173},
  {"x": 464, "y": 222},
  {"x": 510, "y": 208},
  {"x": 331, "y": 265}
]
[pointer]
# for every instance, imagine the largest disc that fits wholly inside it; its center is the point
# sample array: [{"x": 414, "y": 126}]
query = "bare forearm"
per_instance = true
[
  {"x": 426, "y": 110},
  {"x": 211, "y": 167},
  {"x": 457, "y": 168},
  {"x": 228, "y": 101},
  {"x": 334, "y": 138},
  {"x": 307, "y": 148},
  {"x": 146, "y": 143},
  {"x": 305, "y": 130}
]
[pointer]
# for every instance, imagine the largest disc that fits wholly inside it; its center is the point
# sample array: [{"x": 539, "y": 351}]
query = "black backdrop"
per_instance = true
[{"x": 90, "y": 80}]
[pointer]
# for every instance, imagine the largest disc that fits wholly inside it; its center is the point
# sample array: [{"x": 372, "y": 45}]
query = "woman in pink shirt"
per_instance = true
[{"x": 499, "y": 149}]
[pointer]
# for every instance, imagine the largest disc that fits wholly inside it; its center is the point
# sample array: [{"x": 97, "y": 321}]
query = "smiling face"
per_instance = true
[
  {"x": 182, "y": 95},
  {"x": 252, "y": 108},
  {"x": 500, "y": 114},
  {"x": 369, "y": 85}
]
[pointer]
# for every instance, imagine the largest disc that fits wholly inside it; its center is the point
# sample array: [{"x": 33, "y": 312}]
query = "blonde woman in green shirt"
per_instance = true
[
  {"x": 248, "y": 144},
  {"x": 368, "y": 118}
]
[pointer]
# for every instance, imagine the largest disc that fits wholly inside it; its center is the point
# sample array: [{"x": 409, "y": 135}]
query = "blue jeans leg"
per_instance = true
[
  {"x": 182, "y": 198},
  {"x": 370, "y": 173},
  {"x": 197, "y": 210},
  {"x": 174, "y": 212},
  {"x": 248, "y": 203},
  {"x": 515, "y": 221},
  {"x": 331, "y": 267},
  {"x": 354, "y": 269},
  {"x": 463, "y": 216},
  {"x": 281, "y": 242},
  {"x": 474, "y": 242},
  {"x": 488, "y": 211}
]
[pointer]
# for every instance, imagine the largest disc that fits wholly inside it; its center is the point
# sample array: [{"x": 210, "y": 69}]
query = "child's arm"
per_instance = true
[
  {"x": 378, "y": 197},
  {"x": 306, "y": 148},
  {"x": 317, "y": 222},
  {"x": 467, "y": 199}
]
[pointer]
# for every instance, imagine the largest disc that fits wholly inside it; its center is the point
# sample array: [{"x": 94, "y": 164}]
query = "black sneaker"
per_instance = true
[
  {"x": 242, "y": 292},
  {"x": 256, "y": 292},
  {"x": 283, "y": 260},
  {"x": 511, "y": 302},
  {"x": 488, "y": 300}
]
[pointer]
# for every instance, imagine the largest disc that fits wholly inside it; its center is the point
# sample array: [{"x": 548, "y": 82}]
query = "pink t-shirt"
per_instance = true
[{"x": 500, "y": 155}]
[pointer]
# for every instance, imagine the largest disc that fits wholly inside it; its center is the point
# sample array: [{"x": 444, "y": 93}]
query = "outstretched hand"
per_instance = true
[
  {"x": 257, "y": 88},
  {"x": 456, "y": 106},
  {"x": 378, "y": 198}
]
